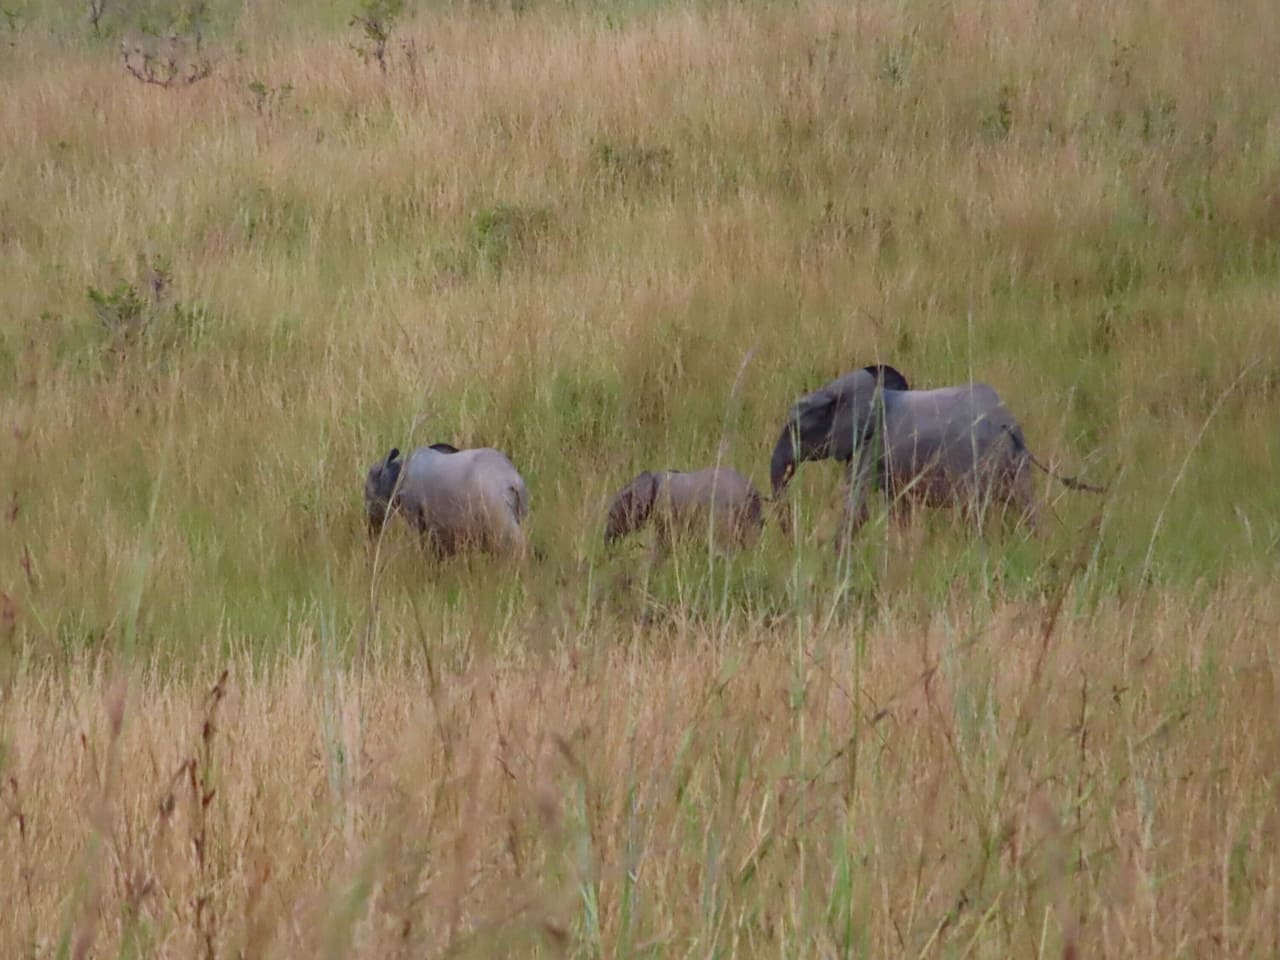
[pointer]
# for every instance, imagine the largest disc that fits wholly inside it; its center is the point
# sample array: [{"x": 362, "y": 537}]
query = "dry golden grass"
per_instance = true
[{"x": 942, "y": 784}]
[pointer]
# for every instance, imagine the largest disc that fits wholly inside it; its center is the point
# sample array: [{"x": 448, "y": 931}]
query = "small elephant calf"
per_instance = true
[
  {"x": 457, "y": 499},
  {"x": 688, "y": 504}
]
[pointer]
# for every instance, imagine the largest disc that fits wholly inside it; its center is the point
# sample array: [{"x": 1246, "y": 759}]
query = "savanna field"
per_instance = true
[{"x": 607, "y": 238}]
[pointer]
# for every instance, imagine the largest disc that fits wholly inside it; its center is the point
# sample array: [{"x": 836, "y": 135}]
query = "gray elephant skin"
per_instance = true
[
  {"x": 952, "y": 446},
  {"x": 685, "y": 505},
  {"x": 458, "y": 500}
]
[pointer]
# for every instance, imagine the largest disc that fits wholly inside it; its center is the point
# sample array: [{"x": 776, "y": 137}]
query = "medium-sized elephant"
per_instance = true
[
  {"x": 688, "y": 505},
  {"x": 457, "y": 499},
  {"x": 953, "y": 446}
]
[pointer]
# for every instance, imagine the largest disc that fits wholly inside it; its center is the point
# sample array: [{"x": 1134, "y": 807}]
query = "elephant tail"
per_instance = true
[
  {"x": 1071, "y": 483},
  {"x": 518, "y": 501}
]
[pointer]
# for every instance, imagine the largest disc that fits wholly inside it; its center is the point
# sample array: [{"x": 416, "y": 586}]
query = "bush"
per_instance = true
[
  {"x": 130, "y": 313},
  {"x": 630, "y": 164},
  {"x": 377, "y": 21}
]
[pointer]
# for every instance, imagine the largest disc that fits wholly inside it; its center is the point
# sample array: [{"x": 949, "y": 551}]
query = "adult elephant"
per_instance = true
[
  {"x": 953, "y": 446},
  {"x": 457, "y": 500}
]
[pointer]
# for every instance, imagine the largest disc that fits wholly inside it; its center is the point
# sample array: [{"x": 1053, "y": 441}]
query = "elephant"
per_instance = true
[
  {"x": 683, "y": 504},
  {"x": 456, "y": 499},
  {"x": 951, "y": 446}
]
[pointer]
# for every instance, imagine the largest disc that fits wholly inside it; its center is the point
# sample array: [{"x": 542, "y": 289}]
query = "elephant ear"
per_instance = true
[
  {"x": 809, "y": 426},
  {"x": 888, "y": 377},
  {"x": 815, "y": 405},
  {"x": 380, "y": 488},
  {"x": 444, "y": 448},
  {"x": 644, "y": 491}
]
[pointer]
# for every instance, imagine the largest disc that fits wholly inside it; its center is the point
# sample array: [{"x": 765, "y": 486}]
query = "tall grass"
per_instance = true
[
  {"x": 607, "y": 239},
  {"x": 949, "y": 784}
]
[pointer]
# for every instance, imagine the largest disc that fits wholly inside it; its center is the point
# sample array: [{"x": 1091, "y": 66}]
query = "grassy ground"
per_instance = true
[
  {"x": 944, "y": 784},
  {"x": 608, "y": 239}
]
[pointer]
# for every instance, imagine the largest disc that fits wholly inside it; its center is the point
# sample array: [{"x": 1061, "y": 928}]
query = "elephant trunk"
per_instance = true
[
  {"x": 379, "y": 491},
  {"x": 375, "y": 517},
  {"x": 783, "y": 464}
]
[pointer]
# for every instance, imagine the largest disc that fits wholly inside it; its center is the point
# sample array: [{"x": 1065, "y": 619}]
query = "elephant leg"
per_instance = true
[
  {"x": 857, "y": 482},
  {"x": 781, "y": 511},
  {"x": 663, "y": 535},
  {"x": 434, "y": 543},
  {"x": 515, "y": 544},
  {"x": 855, "y": 516},
  {"x": 904, "y": 498},
  {"x": 1014, "y": 492},
  {"x": 989, "y": 495},
  {"x": 427, "y": 537},
  {"x": 1024, "y": 499},
  {"x": 497, "y": 532},
  {"x": 977, "y": 499},
  {"x": 905, "y": 514},
  {"x": 750, "y": 523}
]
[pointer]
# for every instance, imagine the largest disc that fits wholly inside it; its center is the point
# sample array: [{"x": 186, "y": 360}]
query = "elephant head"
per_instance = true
[
  {"x": 379, "y": 487},
  {"x": 832, "y": 422},
  {"x": 631, "y": 507}
]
